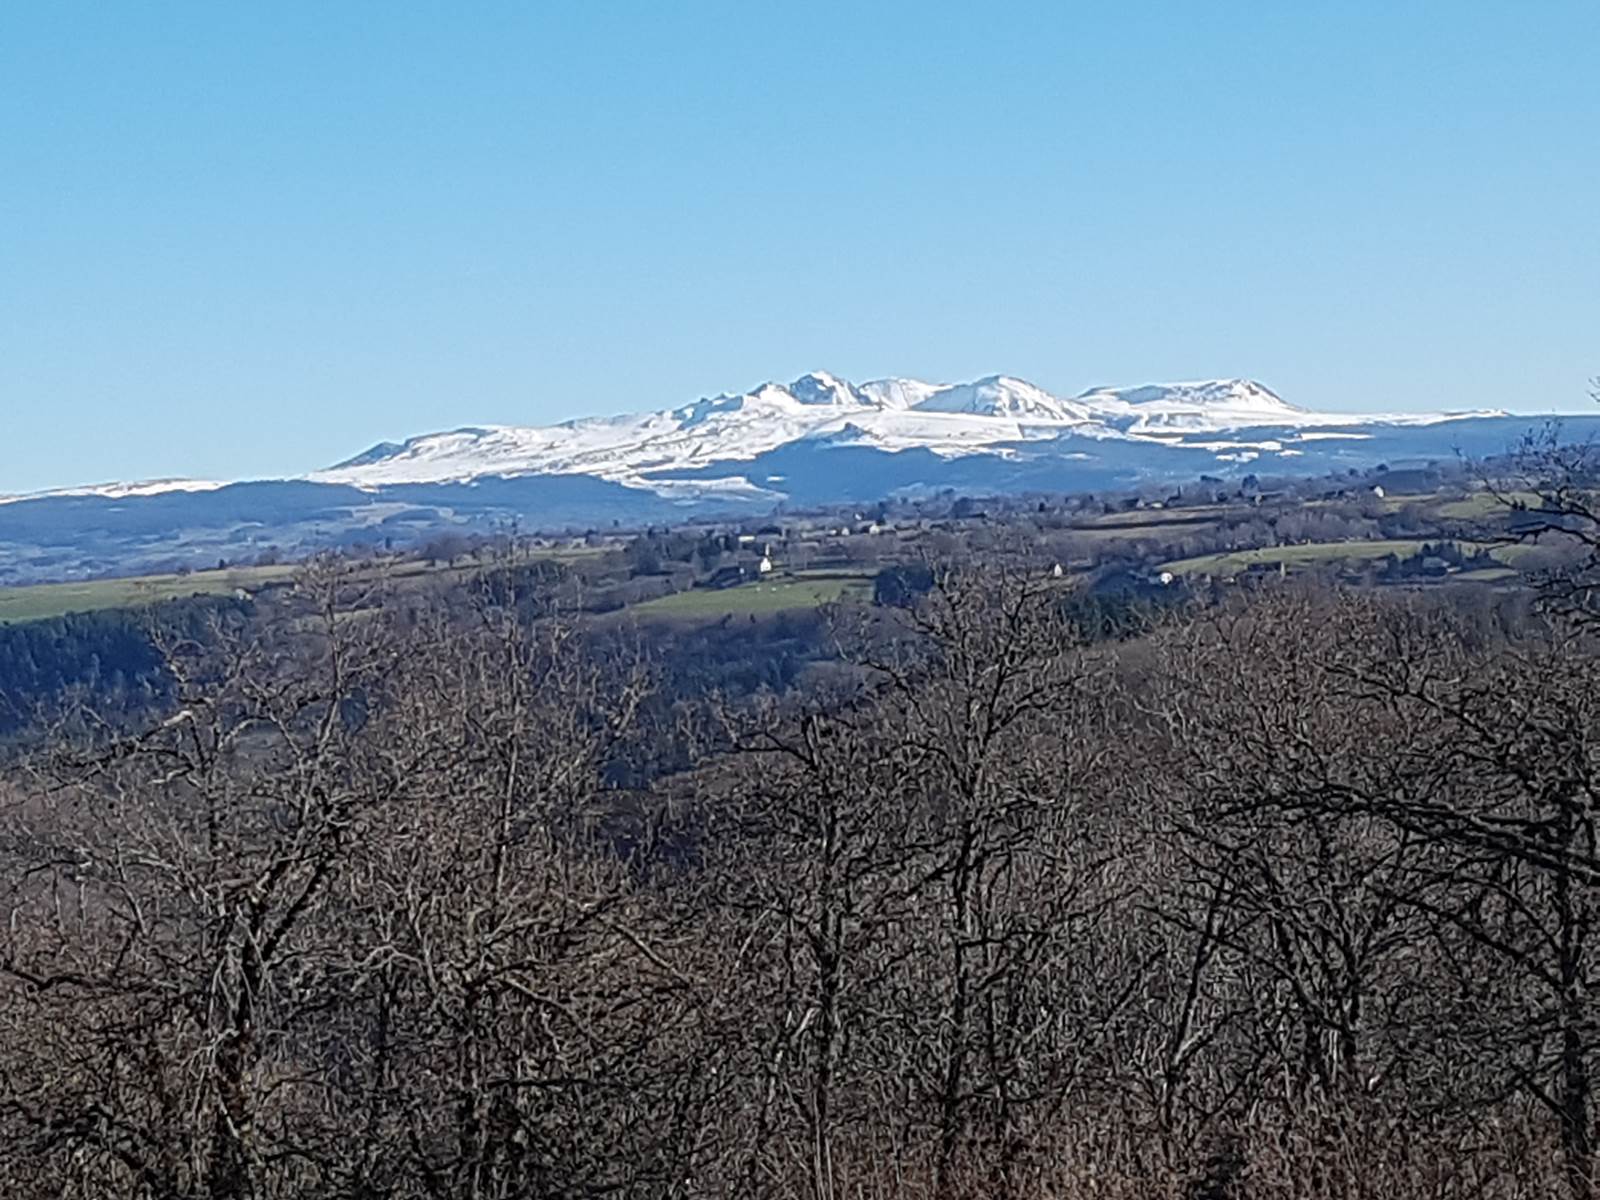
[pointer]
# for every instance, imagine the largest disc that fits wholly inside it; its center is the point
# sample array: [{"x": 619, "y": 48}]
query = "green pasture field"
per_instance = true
[
  {"x": 1317, "y": 554},
  {"x": 756, "y": 599},
  {"x": 36, "y": 602},
  {"x": 39, "y": 601}
]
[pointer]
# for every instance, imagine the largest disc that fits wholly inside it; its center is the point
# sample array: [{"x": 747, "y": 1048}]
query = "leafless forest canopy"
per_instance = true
[{"x": 1291, "y": 894}]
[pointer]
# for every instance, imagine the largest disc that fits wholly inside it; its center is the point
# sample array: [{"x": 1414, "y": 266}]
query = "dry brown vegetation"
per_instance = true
[{"x": 1295, "y": 897}]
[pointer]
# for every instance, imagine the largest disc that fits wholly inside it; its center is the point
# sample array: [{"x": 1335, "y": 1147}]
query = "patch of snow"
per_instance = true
[
  {"x": 122, "y": 491},
  {"x": 898, "y": 393},
  {"x": 1003, "y": 396},
  {"x": 999, "y": 416}
]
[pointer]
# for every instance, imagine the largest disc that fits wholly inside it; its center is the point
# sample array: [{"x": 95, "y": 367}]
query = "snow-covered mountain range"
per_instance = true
[
  {"x": 817, "y": 440},
  {"x": 998, "y": 416}
]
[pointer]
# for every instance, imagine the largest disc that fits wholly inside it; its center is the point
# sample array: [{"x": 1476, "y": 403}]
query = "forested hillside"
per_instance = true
[
  {"x": 111, "y": 661},
  {"x": 991, "y": 890}
]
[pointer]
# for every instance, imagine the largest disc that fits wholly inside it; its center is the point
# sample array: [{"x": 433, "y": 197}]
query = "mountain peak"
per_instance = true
[
  {"x": 819, "y": 387},
  {"x": 999, "y": 415},
  {"x": 1229, "y": 394},
  {"x": 1001, "y": 396},
  {"x": 819, "y": 439}
]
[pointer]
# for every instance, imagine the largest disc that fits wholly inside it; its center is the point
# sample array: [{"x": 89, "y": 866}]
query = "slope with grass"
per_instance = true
[
  {"x": 782, "y": 594},
  {"x": 45, "y": 600},
  {"x": 1323, "y": 554}
]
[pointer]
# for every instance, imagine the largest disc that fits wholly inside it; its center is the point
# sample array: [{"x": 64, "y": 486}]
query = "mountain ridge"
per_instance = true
[
  {"x": 985, "y": 415},
  {"x": 816, "y": 441}
]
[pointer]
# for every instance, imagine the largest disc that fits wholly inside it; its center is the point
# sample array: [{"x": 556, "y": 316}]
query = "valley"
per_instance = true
[
  {"x": 1208, "y": 533},
  {"x": 814, "y": 444}
]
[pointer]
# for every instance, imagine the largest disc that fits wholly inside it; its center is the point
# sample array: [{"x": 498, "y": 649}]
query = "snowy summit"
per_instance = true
[{"x": 995, "y": 414}]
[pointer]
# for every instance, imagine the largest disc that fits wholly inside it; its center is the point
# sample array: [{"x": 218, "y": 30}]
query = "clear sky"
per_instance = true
[{"x": 245, "y": 240}]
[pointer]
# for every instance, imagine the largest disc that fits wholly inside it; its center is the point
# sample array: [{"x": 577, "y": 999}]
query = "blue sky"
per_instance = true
[{"x": 244, "y": 240}]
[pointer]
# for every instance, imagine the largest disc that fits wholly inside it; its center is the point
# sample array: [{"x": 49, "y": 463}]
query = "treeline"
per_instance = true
[
  {"x": 1296, "y": 896},
  {"x": 110, "y": 660}
]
